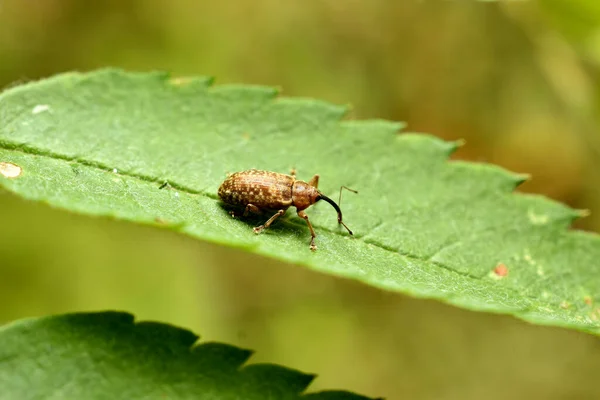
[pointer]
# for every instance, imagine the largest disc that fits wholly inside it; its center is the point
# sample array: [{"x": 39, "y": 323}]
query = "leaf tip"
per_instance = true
[
  {"x": 454, "y": 145},
  {"x": 278, "y": 375},
  {"x": 582, "y": 213},
  {"x": 337, "y": 395},
  {"x": 519, "y": 178},
  {"x": 348, "y": 109},
  {"x": 277, "y": 90},
  {"x": 221, "y": 353}
]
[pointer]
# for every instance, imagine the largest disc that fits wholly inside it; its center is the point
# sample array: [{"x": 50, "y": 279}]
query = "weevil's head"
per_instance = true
[{"x": 304, "y": 195}]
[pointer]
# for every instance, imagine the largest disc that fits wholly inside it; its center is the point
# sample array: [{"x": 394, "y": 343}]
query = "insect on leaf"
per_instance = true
[{"x": 103, "y": 143}]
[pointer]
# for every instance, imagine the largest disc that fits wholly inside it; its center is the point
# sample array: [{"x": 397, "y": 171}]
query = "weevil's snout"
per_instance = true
[{"x": 337, "y": 208}]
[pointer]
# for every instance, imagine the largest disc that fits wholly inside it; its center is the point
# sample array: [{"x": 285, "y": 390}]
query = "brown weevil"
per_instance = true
[{"x": 257, "y": 191}]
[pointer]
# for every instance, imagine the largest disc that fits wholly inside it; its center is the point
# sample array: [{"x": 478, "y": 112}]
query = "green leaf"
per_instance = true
[
  {"x": 108, "y": 356},
  {"x": 102, "y": 144}
]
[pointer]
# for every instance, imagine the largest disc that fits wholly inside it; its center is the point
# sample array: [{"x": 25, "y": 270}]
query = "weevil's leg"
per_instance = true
[
  {"x": 313, "y": 246},
  {"x": 347, "y": 188},
  {"x": 293, "y": 172},
  {"x": 251, "y": 208},
  {"x": 278, "y": 214},
  {"x": 314, "y": 182}
]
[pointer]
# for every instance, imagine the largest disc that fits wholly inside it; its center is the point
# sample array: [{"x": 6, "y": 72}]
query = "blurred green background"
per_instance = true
[{"x": 519, "y": 80}]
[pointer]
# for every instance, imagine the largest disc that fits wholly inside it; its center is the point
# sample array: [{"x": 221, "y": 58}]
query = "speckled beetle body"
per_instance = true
[{"x": 256, "y": 191}]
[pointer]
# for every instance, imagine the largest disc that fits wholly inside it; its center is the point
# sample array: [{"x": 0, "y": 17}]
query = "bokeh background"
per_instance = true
[{"x": 519, "y": 80}]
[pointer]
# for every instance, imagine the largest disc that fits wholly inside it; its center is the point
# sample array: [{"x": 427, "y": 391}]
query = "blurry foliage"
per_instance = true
[
  {"x": 505, "y": 76},
  {"x": 519, "y": 80}
]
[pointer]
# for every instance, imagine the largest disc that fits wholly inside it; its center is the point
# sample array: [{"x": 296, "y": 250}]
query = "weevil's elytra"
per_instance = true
[{"x": 256, "y": 191}]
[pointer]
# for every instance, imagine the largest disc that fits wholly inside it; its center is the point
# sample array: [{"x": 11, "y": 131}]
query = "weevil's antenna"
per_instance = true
[
  {"x": 339, "y": 212},
  {"x": 347, "y": 188}
]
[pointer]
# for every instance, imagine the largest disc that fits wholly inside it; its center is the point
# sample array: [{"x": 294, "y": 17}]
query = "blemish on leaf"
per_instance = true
[
  {"x": 177, "y": 194},
  {"x": 540, "y": 271},
  {"x": 537, "y": 219},
  {"x": 527, "y": 257},
  {"x": 588, "y": 300},
  {"x": 246, "y": 136},
  {"x": 564, "y": 305},
  {"x": 115, "y": 171},
  {"x": 40, "y": 108},
  {"x": 501, "y": 270},
  {"x": 160, "y": 220},
  {"x": 10, "y": 170},
  {"x": 180, "y": 81}
]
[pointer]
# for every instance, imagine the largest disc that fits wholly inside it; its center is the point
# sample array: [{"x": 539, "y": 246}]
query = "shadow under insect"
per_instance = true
[
  {"x": 283, "y": 223},
  {"x": 287, "y": 225}
]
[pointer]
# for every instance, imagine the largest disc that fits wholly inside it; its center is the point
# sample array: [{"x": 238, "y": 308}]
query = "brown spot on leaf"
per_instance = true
[
  {"x": 587, "y": 300},
  {"x": 501, "y": 270}
]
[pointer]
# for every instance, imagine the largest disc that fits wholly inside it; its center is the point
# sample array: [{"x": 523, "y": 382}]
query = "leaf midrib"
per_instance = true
[{"x": 25, "y": 149}]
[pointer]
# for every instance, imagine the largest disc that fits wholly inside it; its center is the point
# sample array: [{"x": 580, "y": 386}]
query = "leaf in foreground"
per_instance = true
[
  {"x": 103, "y": 143},
  {"x": 108, "y": 356}
]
